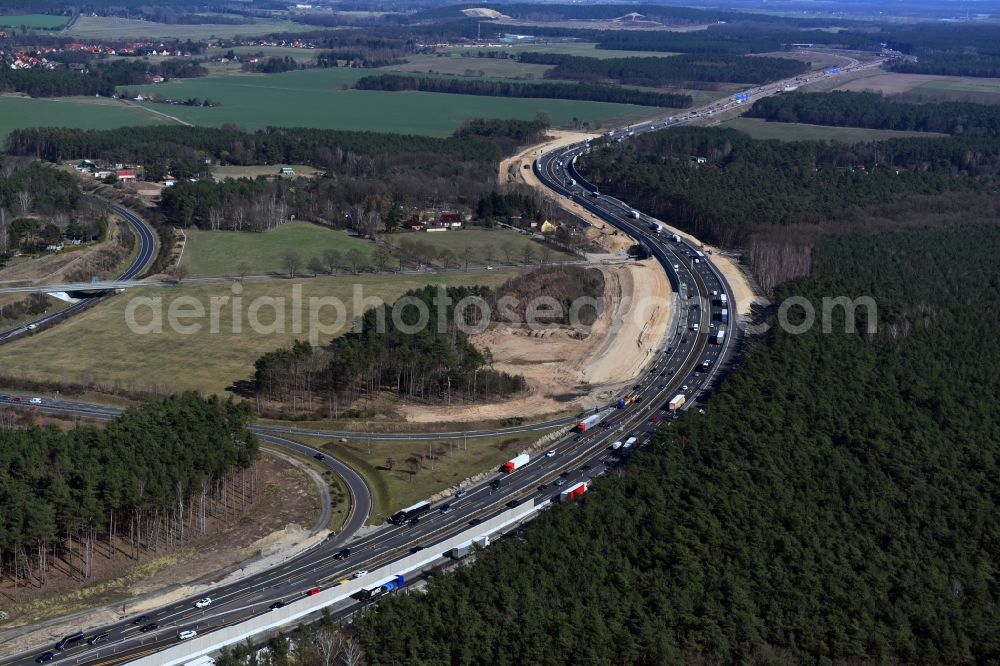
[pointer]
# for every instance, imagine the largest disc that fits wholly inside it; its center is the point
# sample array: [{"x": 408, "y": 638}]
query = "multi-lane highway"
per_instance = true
[
  {"x": 144, "y": 257},
  {"x": 687, "y": 363}
]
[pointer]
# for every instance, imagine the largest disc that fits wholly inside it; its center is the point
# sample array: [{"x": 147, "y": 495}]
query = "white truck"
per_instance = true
[
  {"x": 676, "y": 402},
  {"x": 628, "y": 443},
  {"x": 720, "y": 335},
  {"x": 515, "y": 463}
]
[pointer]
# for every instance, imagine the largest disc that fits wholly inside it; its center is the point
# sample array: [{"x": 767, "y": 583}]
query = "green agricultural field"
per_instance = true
[
  {"x": 420, "y": 468},
  {"x": 172, "y": 360},
  {"x": 322, "y": 98},
  {"x": 33, "y": 21},
  {"x": 18, "y": 112},
  {"x": 761, "y": 129},
  {"x": 480, "y": 246},
  {"x": 299, "y": 55},
  {"x": 222, "y": 252},
  {"x": 103, "y": 27},
  {"x": 588, "y": 49},
  {"x": 447, "y": 62}
]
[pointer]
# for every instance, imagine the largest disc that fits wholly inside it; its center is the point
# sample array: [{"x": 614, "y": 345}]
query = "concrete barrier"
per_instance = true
[{"x": 297, "y": 610}]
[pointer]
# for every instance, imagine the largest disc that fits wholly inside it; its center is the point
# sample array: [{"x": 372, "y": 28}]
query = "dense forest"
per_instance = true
[
  {"x": 837, "y": 503},
  {"x": 152, "y": 477},
  {"x": 774, "y": 198},
  {"x": 680, "y": 70},
  {"x": 862, "y": 109},
  {"x": 234, "y": 146},
  {"x": 434, "y": 362},
  {"x": 949, "y": 64},
  {"x": 497, "y": 88}
]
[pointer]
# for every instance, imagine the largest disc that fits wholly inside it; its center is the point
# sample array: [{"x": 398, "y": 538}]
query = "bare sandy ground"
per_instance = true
[
  {"x": 564, "y": 369},
  {"x": 569, "y": 370}
]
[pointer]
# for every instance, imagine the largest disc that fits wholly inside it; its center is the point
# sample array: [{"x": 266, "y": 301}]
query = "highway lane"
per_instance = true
[
  {"x": 575, "y": 456},
  {"x": 147, "y": 252}
]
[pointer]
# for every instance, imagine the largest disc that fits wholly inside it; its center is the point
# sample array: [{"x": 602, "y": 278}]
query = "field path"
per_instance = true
[{"x": 158, "y": 113}]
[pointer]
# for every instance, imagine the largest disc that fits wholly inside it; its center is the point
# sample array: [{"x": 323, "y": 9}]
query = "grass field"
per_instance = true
[
  {"x": 565, "y": 48},
  {"x": 222, "y": 252},
  {"x": 98, "y": 346},
  {"x": 253, "y": 171},
  {"x": 33, "y": 21},
  {"x": 101, "y": 27},
  {"x": 761, "y": 129},
  {"x": 422, "y": 467},
  {"x": 474, "y": 243},
  {"x": 318, "y": 98},
  {"x": 448, "y": 63},
  {"x": 18, "y": 112}
]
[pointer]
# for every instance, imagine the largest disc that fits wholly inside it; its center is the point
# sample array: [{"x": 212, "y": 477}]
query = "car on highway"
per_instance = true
[
  {"x": 341, "y": 554},
  {"x": 276, "y": 605},
  {"x": 5, "y": 398},
  {"x": 445, "y": 509},
  {"x": 684, "y": 388},
  {"x": 461, "y": 493},
  {"x": 35, "y": 401},
  {"x": 413, "y": 521},
  {"x": 203, "y": 603},
  {"x": 416, "y": 549},
  {"x": 560, "y": 482},
  {"x": 512, "y": 503},
  {"x": 146, "y": 628},
  {"x": 98, "y": 638},
  {"x": 360, "y": 573},
  {"x": 495, "y": 484},
  {"x": 140, "y": 619},
  {"x": 661, "y": 387},
  {"x": 319, "y": 456},
  {"x": 312, "y": 591},
  {"x": 186, "y": 634},
  {"x": 475, "y": 521},
  {"x": 578, "y": 438},
  {"x": 45, "y": 656},
  {"x": 551, "y": 453}
]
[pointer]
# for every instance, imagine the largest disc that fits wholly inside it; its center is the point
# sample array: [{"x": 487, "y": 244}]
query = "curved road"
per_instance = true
[
  {"x": 147, "y": 252},
  {"x": 680, "y": 367}
]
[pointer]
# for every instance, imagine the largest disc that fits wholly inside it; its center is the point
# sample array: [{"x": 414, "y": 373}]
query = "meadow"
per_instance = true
[
  {"x": 204, "y": 361},
  {"x": 761, "y": 129},
  {"x": 323, "y": 98},
  {"x": 222, "y": 252},
  {"x": 106, "y": 27},
  {"x": 33, "y": 21},
  {"x": 474, "y": 244},
  {"x": 588, "y": 49},
  {"x": 17, "y": 112},
  {"x": 409, "y": 482}
]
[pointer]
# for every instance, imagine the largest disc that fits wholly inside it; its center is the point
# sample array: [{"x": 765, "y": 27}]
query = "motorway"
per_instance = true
[
  {"x": 145, "y": 256},
  {"x": 678, "y": 368}
]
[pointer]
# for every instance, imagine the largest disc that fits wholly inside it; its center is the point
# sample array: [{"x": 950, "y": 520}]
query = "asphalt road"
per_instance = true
[
  {"x": 678, "y": 368},
  {"x": 147, "y": 252}
]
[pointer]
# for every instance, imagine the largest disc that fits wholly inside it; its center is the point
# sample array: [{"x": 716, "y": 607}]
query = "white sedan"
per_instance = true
[
  {"x": 186, "y": 634},
  {"x": 202, "y": 603}
]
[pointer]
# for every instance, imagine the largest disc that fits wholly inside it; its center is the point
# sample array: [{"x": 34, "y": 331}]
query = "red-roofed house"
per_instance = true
[{"x": 125, "y": 174}]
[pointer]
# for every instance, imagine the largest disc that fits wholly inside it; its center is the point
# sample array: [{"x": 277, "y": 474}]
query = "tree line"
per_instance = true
[
  {"x": 271, "y": 145},
  {"x": 101, "y": 78},
  {"x": 773, "y": 199},
  {"x": 432, "y": 363},
  {"x": 949, "y": 64},
  {"x": 577, "y": 91},
  {"x": 872, "y": 110},
  {"x": 819, "y": 511},
  {"x": 679, "y": 70},
  {"x": 152, "y": 477}
]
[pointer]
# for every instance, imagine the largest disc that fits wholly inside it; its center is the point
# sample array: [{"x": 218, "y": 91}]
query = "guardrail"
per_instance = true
[{"x": 292, "y": 612}]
